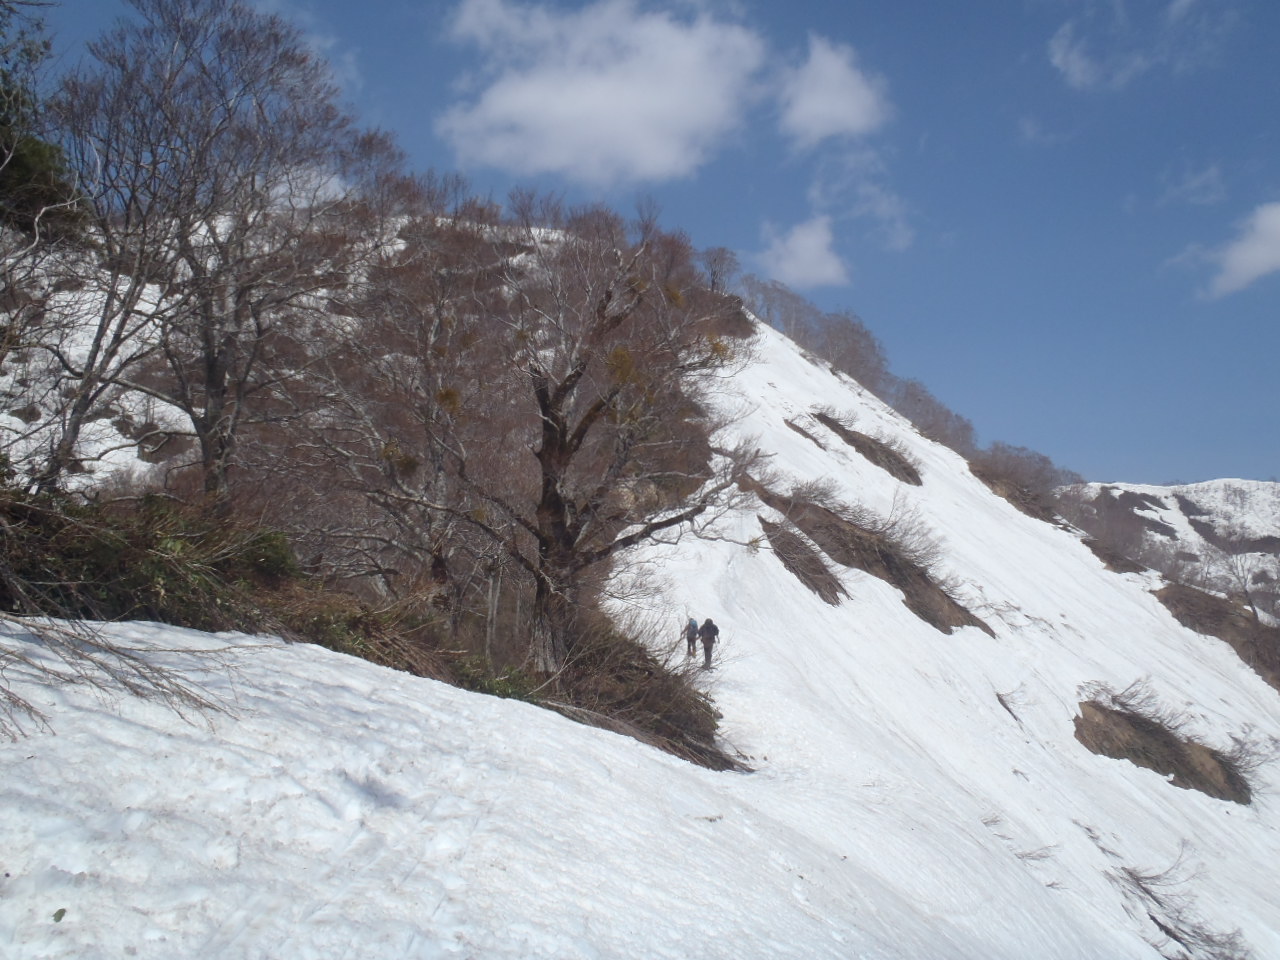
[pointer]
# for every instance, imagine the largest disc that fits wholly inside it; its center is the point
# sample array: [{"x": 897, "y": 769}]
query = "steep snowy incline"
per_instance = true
[
  {"x": 879, "y": 711},
  {"x": 916, "y": 794}
]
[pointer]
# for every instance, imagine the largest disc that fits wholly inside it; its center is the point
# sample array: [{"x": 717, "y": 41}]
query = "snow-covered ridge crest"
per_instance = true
[{"x": 916, "y": 793}]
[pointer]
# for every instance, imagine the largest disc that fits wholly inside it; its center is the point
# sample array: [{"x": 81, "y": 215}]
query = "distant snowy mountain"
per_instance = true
[
  {"x": 910, "y": 665},
  {"x": 1223, "y": 534}
]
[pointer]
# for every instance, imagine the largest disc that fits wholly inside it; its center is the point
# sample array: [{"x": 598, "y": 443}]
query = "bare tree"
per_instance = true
[
  {"x": 1237, "y": 571},
  {"x": 541, "y": 388},
  {"x": 721, "y": 266},
  {"x": 223, "y": 181},
  {"x": 779, "y": 306},
  {"x": 844, "y": 341}
]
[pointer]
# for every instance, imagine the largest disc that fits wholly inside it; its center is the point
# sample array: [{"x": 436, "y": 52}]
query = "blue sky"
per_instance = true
[{"x": 1063, "y": 216}]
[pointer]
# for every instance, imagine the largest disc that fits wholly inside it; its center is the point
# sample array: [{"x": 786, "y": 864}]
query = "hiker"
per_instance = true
[
  {"x": 708, "y": 632},
  {"x": 691, "y": 635}
]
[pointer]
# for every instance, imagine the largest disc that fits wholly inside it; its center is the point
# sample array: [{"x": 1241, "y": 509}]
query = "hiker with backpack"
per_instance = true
[
  {"x": 708, "y": 632},
  {"x": 690, "y": 634}
]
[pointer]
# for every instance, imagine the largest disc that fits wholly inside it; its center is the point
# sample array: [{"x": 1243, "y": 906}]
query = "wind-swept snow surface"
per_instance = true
[{"x": 917, "y": 795}]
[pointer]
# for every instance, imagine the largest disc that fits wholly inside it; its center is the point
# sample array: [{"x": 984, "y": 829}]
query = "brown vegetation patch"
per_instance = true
[
  {"x": 1112, "y": 559},
  {"x": 614, "y": 682},
  {"x": 1130, "y": 502},
  {"x": 1146, "y": 742},
  {"x": 1026, "y": 501},
  {"x": 1189, "y": 507},
  {"x": 805, "y": 433},
  {"x": 882, "y": 454},
  {"x": 27, "y": 414},
  {"x": 805, "y": 562},
  {"x": 877, "y": 552},
  {"x": 1235, "y": 545},
  {"x": 730, "y": 319},
  {"x": 1256, "y": 643},
  {"x": 1133, "y": 500}
]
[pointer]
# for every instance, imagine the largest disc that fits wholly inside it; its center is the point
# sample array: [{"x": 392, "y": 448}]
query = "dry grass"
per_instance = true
[
  {"x": 1133, "y": 725},
  {"x": 629, "y": 680},
  {"x": 898, "y": 549},
  {"x": 887, "y": 454},
  {"x": 805, "y": 562}
]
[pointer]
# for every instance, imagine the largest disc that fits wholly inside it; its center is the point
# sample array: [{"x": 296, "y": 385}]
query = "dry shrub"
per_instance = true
[
  {"x": 407, "y": 635},
  {"x": 77, "y": 652},
  {"x": 626, "y": 680},
  {"x": 805, "y": 562},
  {"x": 1133, "y": 725},
  {"x": 150, "y": 558},
  {"x": 1027, "y": 479},
  {"x": 1112, "y": 559},
  {"x": 887, "y": 454},
  {"x": 147, "y": 559},
  {"x": 730, "y": 319},
  {"x": 1160, "y": 894},
  {"x": 1256, "y": 643},
  {"x": 805, "y": 433},
  {"x": 899, "y": 549}
]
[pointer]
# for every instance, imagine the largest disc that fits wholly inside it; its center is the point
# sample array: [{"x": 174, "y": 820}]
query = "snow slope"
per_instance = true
[{"x": 917, "y": 795}]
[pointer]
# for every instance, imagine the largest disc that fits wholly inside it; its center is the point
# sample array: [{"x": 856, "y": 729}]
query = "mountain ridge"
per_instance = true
[{"x": 916, "y": 793}]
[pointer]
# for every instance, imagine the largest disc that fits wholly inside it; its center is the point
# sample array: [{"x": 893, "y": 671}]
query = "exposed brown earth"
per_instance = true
[
  {"x": 1113, "y": 559},
  {"x": 853, "y": 545},
  {"x": 1256, "y": 643},
  {"x": 1187, "y": 763},
  {"x": 805, "y": 433}
]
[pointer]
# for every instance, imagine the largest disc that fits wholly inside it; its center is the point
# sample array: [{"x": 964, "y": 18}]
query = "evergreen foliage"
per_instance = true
[{"x": 36, "y": 196}]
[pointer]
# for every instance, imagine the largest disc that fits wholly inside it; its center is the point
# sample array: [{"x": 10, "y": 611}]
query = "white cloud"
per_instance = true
[
  {"x": 804, "y": 257},
  {"x": 1110, "y": 43},
  {"x": 1252, "y": 255},
  {"x": 344, "y": 63},
  {"x": 829, "y": 96},
  {"x": 608, "y": 93},
  {"x": 854, "y": 184},
  {"x": 1084, "y": 70},
  {"x": 1199, "y": 188}
]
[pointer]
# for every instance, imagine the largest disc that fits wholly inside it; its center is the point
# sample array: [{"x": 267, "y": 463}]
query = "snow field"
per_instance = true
[{"x": 899, "y": 810}]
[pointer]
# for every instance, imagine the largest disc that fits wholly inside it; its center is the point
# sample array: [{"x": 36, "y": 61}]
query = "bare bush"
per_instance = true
[
  {"x": 1027, "y": 479},
  {"x": 900, "y": 548},
  {"x": 1134, "y": 725},
  {"x": 79, "y": 653},
  {"x": 889, "y": 455},
  {"x": 805, "y": 562},
  {"x": 1012, "y": 699},
  {"x": 1162, "y": 897},
  {"x": 932, "y": 417},
  {"x": 629, "y": 678}
]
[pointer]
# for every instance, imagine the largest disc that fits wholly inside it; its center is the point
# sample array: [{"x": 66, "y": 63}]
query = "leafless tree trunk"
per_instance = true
[{"x": 545, "y": 394}]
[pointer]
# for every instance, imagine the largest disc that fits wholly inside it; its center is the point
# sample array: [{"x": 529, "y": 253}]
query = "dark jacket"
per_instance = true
[{"x": 708, "y": 631}]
